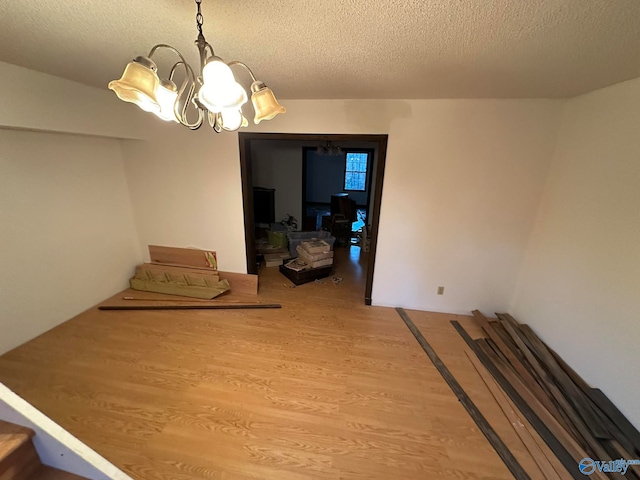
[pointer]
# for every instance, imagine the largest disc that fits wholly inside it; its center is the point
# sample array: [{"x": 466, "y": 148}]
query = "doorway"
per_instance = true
[{"x": 372, "y": 204}]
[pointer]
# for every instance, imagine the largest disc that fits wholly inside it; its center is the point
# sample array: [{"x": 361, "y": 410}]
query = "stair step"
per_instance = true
[
  {"x": 22, "y": 460},
  {"x": 19, "y": 459},
  {"x": 48, "y": 473},
  {"x": 12, "y": 437}
]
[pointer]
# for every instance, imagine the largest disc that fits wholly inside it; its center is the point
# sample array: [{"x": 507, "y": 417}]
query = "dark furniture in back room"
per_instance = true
[{"x": 264, "y": 206}]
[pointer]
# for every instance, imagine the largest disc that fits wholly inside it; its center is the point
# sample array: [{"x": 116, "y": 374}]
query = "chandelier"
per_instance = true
[
  {"x": 214, "y": 94},
  {"x": 328, "y": 148}
]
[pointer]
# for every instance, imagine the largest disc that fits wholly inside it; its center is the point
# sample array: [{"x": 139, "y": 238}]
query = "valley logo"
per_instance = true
[{"x": 588, "y": 466}]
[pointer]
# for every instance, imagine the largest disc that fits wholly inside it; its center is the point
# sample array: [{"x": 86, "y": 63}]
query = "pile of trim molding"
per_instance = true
[{"x": 580, "y": 425}]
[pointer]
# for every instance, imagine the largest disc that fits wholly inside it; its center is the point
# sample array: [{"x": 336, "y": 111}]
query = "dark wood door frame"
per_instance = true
[{"x": 247, "y": 190}]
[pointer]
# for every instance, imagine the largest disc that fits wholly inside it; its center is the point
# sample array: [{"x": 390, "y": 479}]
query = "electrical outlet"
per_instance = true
[{"x": 440, "y": 290}]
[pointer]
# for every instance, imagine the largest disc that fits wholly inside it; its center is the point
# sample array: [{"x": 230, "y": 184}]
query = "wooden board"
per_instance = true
[
  {"x": 183, "y": 257},
  {"x": 496, "y": 442},
  {"x": 554, "y": 435},
  {"x": 624, "y": 430},
  {"x": 537, "y": 453},
  {"x": 602, "y": 401},
  {"x": 572, "y": 393},
  {"x": 507, "y": 348},
  {"x": 172, "y": 269},
  {"x": 220, "y": 306},
  {"x": 242, "y": 283}
]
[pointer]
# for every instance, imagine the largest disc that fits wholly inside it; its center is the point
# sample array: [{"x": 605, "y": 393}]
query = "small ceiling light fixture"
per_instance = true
[
  {"x": 214, "y": 94},
  {"x": 328, "y": 148}
]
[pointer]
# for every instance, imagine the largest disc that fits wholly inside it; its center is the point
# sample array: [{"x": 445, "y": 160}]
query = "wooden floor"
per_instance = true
[{"x": 325, "y": 387}]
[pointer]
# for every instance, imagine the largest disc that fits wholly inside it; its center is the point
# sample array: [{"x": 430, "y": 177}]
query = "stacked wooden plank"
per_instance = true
[
  {"x": 183, "y": 257},
  {"x": 189, "y": 272},
  {"x": 183, "y": 281},
  {"x": 314, "y": 261},
  {"x": 316, "y": 253},
  {"x": 242, "y": 283},
  {"x": 579, "y": 424}
]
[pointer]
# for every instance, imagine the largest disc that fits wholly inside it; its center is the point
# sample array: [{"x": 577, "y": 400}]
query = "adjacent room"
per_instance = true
[
  {"x": 360, "y": 240},
  {"x": 302, "y": 187}
]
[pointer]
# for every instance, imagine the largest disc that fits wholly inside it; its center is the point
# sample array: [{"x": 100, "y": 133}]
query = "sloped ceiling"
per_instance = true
[{"x": 306, "y": 49}]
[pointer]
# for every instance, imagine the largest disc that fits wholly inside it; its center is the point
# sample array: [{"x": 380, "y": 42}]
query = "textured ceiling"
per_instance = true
[{"x": 345, "y": 48}]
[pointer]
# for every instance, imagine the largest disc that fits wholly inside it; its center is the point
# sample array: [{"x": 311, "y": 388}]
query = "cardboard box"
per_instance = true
[{"x": 275, "y": 259}]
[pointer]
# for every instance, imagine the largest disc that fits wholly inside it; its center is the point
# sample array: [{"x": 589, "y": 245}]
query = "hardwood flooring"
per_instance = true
[{"x": 325, "y": 388}]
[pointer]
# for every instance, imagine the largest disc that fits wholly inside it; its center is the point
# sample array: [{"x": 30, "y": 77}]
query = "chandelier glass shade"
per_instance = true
[
  {"x": 214, "y": 96},
  {"x": 138, "y": 84}
]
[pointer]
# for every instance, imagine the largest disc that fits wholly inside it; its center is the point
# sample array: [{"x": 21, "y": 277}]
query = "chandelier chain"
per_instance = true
[{"x": 199, "y": 17}]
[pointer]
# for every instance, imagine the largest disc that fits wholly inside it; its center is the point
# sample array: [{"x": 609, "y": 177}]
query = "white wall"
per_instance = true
[
  {"x": 186, "y": 192},
  {"x": 278, "y": 164},
  {"x": 67, "y": 238},
  {"x": 463, "y": 180},
  {"x": 36, "y": 101},
  {"x": 462, "y": 183},
  {"x": 580, "y": 285},
  {"x": 325, "y": 176}
]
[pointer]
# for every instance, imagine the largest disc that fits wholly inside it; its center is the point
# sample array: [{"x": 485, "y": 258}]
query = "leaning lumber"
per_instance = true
[
  {"x": 598, "y": 399},
  {"x": 576, "y": 415},
  {"x": 620, "y": 452},
  {"x": 614, "y": 420},
  {"x": 618, "y": 419},
  {"x": 585, "y": 421},
  {"x": 536, "y": 452},
  {"x": 183, "y": 257},
  {"x": 568, "y": 451},
  {"x": 491, "y": 435},
  {"x": 509, "y": 351},
  {"x": 572, "y": 393},
  {"x": 176, "y": 270}
]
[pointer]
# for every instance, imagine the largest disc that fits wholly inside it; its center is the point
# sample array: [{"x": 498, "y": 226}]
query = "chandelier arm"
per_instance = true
[
  {"x": 235, "y": 62},
  {"x": 189, "y": 81},
  {"x": 168, "y": 47},
  {"x": 183, "y": 117},
  {"x": 175, "y": 66},
  {"x": 203, "y": 46}
]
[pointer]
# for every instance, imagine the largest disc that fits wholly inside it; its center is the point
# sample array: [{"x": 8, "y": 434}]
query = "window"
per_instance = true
[{"x": 355, "y": 174}]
